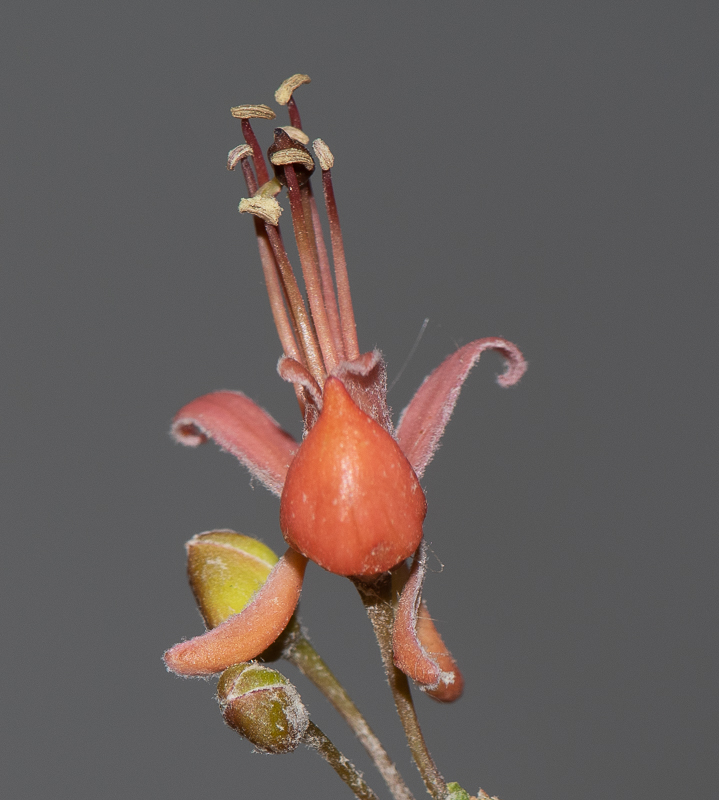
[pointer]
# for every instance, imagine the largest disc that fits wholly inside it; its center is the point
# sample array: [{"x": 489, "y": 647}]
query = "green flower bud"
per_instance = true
[
  {"x": 263, "y": 706},
  {"x": 225, "y": 569}
]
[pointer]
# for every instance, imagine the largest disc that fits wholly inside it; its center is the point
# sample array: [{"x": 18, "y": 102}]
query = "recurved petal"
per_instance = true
[
  {"x": 422, "y": 423},
  {"x": 242, "y": 428},
  {"x": 244, "y": 636},
  {"x": 417, "y": 647}
]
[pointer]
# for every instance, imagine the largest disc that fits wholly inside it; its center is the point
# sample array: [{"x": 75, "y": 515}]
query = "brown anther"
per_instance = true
[
  {"x": 293, "y": 155},
  {"x": 237, "y": 154},
  {"x": 266, "y": 208},
  {"x": 284, "y": 93},
  {"x": 324, "y": 155},
  {"x": 252, "y": 112},
  {"x": 296, "y": 134}
]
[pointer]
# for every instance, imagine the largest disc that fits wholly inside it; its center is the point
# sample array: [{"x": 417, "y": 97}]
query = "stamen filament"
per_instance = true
[
  {"x": 272, "y": 278},
  {"x": 303, "y": 323},
  {"x": 257, "y": 156},
  {"x": 347, "y": 316},
  {"x": 328, "y": 288},
  {"x": 310, "y": 269},
  {"x": 295, "y": 120}
]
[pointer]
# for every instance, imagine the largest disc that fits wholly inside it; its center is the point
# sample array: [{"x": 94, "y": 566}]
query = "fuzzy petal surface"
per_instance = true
[
  {"x": 423, "y": 421},
  {"x": 241, "y": 427}
]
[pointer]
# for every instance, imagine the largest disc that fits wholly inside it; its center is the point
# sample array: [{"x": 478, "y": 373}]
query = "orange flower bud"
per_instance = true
[{"x": 351, "y": 501}]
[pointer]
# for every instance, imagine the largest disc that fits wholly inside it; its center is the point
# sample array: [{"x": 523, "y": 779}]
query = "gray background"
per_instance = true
[{"x": 545, "y": 171}]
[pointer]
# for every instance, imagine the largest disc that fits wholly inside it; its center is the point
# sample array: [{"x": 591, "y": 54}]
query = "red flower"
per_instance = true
[{"x": 350, "y": 494}]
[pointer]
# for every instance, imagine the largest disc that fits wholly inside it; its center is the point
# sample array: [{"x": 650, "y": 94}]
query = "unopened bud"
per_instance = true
[
  {"x": 225, "y": 569},
  {"x": 263, "y": 706}
]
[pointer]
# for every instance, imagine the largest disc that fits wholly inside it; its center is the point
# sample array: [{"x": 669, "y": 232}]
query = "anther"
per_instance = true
[
  {"x": 237, "y": 154},
  {"x": 252, "y": 112},
  {"x": 296, "y": 133},
  {"x": 293, "y": 155},
  {"x": 324, "y": 155},
  {"x": 284, "y": 93},
  {"x": 266, "y": 208},
  {"x": 284, "y": 151}
]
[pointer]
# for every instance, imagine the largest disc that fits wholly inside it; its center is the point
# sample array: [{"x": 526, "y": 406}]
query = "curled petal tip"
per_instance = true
[
  {"x": 242, "y": 428},
  {"x": 423, "y": 421}
]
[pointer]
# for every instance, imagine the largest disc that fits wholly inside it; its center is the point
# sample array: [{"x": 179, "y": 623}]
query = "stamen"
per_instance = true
[
  {"x": 293, "y": 155},
  {"x": 289, "y": 334},
  {"x": 237, "y": 154},
  {"x": 296, "y": 133},
  {"x": 287, "y": 87},
  {"x": 245, "y": 113},
  {"x": 296, "y": 304},
  {"x": 249, "y": 111},
  {"x": 310, "y": 269},
  {"x": 328, "y": 288},
  {"x": 266, "y": 208},
  {"x": 324, "y": 155},
  {"x": 349, "y": 327},
  {"x": 284, "y": 96}
]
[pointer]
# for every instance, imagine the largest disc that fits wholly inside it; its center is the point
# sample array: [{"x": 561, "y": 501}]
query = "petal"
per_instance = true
[
  {"x": 422, "y": 423},
  {"x": 242, "y": 428},
  {"x": 244, "y": 636},
  {"x": 417, "y": 647}
]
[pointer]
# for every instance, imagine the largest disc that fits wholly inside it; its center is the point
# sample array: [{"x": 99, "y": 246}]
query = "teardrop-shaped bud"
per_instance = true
[
  {"x": 263, "y": 706},
  {"x": 351, "y": 501},
  {"x": 225, "y": 569}
]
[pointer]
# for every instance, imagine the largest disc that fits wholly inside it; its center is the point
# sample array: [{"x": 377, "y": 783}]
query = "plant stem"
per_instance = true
[
  {"x": 344, "y": 768},
  {"x": 303, "y": 655},
  {"x": 377, "y": 599}
]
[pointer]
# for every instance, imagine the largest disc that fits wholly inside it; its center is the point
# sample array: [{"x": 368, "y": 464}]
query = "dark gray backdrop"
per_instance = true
[{"x": 544, "y": 171}]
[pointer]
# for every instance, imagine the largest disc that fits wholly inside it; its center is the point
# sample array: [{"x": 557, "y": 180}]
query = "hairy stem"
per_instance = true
[
  {"x": 344, "y": 768},
  {"x": 303, "y": 655},
  {"x": 377, "y": 599}
]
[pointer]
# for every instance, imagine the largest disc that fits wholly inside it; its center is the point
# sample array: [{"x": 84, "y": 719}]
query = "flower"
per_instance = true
[{"x": 350, "y": 494}]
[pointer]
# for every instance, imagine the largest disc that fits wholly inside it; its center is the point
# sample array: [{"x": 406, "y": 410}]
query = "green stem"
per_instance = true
[
  {"x": 344, "y": 768},
  {"x": 377, "y": 599},
  {"x": 303, "y": 655}
]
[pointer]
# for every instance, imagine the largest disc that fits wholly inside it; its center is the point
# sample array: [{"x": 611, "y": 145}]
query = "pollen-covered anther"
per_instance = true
[
  {"x": 237, "y": 154},
  {"x": 266, "y": 208},
  {"x": 293, "y": 155},
  {"x": 249, "y": 111},
  {"x": 324, "y": 155},
  {"x": 284, "y": 93},
  {"x": 351, "y": 501},
  {"x": 296, "y": 134}
]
